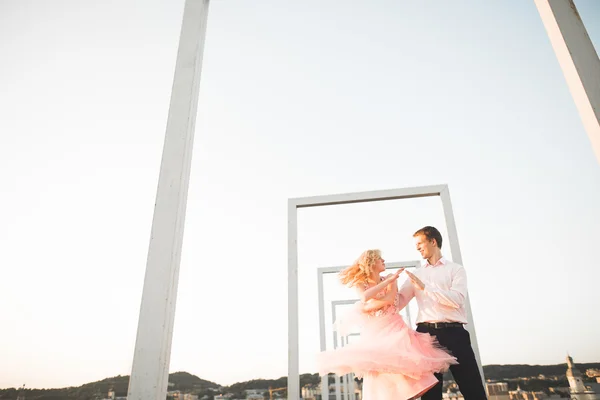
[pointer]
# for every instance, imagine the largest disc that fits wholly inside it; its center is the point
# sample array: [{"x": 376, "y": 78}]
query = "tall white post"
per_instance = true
[
  {"x": 150, "y": 370},
  {"x": 578, "y": 60},
  {"x": 293, "y": 383},
  {"x": 457, "y": 257}
]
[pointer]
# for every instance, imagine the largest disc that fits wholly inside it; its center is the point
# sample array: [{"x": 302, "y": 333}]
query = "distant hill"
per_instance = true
[
  {"x": 187, "y": 382},
  {"x": 183, "y": 381},
  {"x": 305, "y": 379}
]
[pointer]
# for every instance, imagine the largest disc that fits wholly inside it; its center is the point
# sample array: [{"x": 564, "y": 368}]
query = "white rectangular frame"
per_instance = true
[
  {"x": 325, "y": 379},
  {"x": 349, "y": 198},
  {"x": 349, "y": 393}
]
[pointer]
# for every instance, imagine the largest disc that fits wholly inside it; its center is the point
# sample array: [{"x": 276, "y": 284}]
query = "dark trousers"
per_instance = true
[{"x": 466, "y": 374}]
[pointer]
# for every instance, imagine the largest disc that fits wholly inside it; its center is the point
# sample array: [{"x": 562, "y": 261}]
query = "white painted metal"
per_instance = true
[
  {"x": 343, "y": 342},
  {"x": 293, "y": 327},
  {"x": 346, "y": 383},
  {"x": 334, "y": 305},
  {"x": 578, "y": 59},
  {"x": 150, "y": 369},
  {"x": 349, "y": 383},
  {"x": 457, "y": 258},
  {"x": 365, "y": 197},
  {"x": 349, "y": 378},
  {"x": 322, "y": 340},
  {"x": 339, "y": 199}
]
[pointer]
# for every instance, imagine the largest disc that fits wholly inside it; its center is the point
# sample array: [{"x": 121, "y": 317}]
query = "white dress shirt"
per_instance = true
[{"x": 443, "y": 299}]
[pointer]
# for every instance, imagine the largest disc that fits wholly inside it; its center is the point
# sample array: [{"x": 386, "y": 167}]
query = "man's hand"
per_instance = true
[{"x": 416, "y": 281}]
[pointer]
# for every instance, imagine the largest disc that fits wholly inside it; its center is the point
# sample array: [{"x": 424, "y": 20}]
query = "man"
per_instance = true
[{"x": 440, "y": 287}]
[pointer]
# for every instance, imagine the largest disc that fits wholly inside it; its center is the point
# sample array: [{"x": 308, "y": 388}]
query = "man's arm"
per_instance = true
[{"x": 455, "y": 297}]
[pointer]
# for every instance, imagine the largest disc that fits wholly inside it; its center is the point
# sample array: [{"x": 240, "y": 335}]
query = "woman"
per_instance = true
[{"x": 395, "y": 361}]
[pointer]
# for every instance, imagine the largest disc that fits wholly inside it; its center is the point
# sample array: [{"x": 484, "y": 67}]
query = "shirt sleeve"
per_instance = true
[
  {"x": 405, "y": 294},
  {"x": 455, "y": 297}
]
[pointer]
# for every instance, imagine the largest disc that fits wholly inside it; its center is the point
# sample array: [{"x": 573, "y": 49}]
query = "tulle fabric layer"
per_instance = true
[
  {"x": 386, "y": 346},
  {"x": 384, "y": 386}
]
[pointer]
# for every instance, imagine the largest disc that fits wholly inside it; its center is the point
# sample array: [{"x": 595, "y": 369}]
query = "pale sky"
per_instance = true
[{"x": 296, "y": 99}]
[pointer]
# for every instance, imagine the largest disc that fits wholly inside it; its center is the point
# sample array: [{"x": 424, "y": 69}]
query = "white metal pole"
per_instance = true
[
  {"x": 578, "y": 59},
  {"x": 325, "y": 385},
  {"x": 150, "y": 369},
  {"x": 322, "y": 338},
  {"x": 457, "y": 257},
  {"x": 344, "y": 378},
  {"x": 293, "y": 383}
]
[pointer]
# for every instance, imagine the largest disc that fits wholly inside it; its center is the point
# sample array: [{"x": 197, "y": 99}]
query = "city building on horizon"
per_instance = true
[{"x": 578, "y": 389}]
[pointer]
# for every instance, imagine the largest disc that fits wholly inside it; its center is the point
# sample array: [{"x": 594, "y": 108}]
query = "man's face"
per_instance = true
[{"x": 424, "y": 246}]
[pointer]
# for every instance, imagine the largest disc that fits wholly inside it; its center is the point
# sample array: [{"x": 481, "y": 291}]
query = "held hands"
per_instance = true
[
  {"x": 416, "y": 281},
  {"x": 388, "y": 287},
  {"x": 393, "y": 277}
]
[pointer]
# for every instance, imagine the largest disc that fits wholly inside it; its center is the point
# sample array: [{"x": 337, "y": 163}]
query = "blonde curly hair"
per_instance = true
[{"x": 360, "y": 272}]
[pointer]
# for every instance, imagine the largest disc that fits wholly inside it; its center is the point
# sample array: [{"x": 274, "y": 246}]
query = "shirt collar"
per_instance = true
[{"x": 441, "y": 261}]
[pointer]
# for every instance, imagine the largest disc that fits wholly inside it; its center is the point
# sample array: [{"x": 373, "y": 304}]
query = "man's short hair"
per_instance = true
[{"x": 430, "y": 233}]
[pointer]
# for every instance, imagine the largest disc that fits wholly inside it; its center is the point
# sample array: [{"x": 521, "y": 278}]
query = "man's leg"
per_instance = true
[
  {"x": 435, "y": 393},
  {"x": 466, "y": 373}
]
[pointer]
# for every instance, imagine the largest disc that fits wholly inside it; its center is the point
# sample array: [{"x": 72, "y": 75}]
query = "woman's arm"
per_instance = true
[
  {"x": 386, "y": 300},
  {"x": 371, "y": 292}
]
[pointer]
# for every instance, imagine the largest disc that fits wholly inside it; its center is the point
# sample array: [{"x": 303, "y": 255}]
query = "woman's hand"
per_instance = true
[
  {"x": 372, "y": 292},
  {"x": 393, "y": 277},
  {"x": 392, "y": 281}
]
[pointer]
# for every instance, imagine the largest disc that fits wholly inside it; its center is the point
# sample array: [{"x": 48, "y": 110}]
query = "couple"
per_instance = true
[{"x": 396, "y": 362}]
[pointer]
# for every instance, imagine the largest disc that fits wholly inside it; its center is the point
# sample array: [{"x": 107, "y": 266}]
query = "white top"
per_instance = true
[{"x": 443, "y": 299}]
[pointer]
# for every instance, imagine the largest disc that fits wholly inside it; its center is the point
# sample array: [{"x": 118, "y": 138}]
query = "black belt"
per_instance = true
[{"x": 440, "y": 325}]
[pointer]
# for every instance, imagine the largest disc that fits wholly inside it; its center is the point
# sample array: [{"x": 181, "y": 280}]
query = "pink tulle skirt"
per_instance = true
[{"x": 395, "y": 361}]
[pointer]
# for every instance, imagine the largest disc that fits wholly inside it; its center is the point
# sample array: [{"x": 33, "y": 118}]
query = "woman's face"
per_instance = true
[{"x": 379, "y": 265}]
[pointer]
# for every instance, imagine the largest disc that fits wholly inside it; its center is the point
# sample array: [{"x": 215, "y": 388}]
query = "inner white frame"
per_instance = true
[
  {"x": 343, "y": 339},
  {"x": 348, "y": 387},
  {"x": 349, "y": 198}
]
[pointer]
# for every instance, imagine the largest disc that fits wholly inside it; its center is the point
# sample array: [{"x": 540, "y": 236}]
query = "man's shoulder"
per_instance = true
[
  {"x": 453, "y": 265},
  {"x": 446, "y": 263}
]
